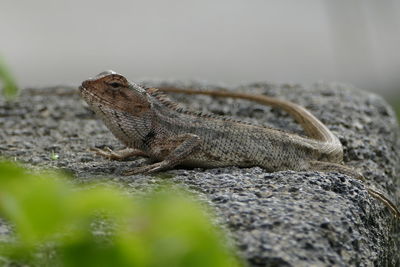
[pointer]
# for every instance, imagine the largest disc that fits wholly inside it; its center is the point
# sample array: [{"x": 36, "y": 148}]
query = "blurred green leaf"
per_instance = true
[
  {"x": 397, "y": 109},
  {"x": 36, "y": 205},
  {"x": 58, "y": 223},
  {"x": 395, "y": 102},
  {"x": 10, "y": 88},
  {"x": 172, "y": 226}
]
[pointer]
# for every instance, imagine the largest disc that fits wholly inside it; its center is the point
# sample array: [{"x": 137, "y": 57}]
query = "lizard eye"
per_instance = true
[{"x": 115, "y": 85}]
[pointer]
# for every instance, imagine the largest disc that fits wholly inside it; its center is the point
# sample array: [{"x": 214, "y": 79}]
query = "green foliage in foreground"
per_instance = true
[
  {"x": 394, "y": 101},
  {"x": 397, "y": 109},
  {"x": 10, "y": 88},
  {"x": 58, "y": 223}
]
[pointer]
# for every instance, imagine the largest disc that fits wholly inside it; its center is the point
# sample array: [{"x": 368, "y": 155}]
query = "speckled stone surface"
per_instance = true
[{"x": 275, "y": 219}]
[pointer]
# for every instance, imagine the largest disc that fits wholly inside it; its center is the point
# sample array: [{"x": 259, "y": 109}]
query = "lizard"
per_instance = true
[{"x": 149, "y": 124}]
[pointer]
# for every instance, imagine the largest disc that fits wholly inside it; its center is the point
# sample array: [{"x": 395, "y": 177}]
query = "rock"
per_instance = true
[{"x": 276, "y": 219}]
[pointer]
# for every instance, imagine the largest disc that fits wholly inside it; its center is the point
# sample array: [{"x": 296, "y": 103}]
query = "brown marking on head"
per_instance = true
[{"x": 114, "y": 90}]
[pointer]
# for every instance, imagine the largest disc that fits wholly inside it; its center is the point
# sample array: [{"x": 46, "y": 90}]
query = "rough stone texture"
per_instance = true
[{"x": 276, "y": 219}]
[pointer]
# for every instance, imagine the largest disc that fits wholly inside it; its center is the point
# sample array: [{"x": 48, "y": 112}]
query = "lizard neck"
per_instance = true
[{"x": 131, "y": 130}]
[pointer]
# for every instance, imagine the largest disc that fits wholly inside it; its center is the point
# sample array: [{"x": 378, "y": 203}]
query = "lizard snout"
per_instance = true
[{"x": 86, "y": 84}]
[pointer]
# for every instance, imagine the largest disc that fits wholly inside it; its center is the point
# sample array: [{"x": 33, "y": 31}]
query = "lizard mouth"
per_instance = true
[
  {"x": 91, "y": 96},
  {"x": 84, "y": 92}
]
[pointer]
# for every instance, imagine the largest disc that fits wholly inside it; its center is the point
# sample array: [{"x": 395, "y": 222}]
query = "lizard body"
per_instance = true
[{"x": 151, "y": 125}]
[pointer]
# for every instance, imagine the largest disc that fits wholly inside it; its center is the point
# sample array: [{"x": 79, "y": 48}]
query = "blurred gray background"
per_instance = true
[{"x": 50, "y": 42}]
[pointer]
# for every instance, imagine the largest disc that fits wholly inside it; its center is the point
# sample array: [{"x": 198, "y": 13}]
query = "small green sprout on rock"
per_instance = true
[{"x": 54, "y": 156}]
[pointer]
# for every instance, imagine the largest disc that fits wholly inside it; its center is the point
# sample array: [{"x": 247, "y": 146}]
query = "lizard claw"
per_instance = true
[
  {"x": 118, "y": 155},
  {"x": 148, "y": 168},
  {"x": 106, "y": 152}
]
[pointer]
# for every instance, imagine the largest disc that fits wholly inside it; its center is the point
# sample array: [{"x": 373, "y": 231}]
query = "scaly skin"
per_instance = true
[{"x": 151, "y": 125}]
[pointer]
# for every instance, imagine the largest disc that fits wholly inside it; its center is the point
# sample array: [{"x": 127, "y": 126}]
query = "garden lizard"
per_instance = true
[{"x": 151, "y": 125}]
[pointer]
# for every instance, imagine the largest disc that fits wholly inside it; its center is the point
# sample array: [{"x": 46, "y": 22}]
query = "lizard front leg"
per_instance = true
[
  {"x": 174, "y": 150},
  {"x": 120, "y": 154}
]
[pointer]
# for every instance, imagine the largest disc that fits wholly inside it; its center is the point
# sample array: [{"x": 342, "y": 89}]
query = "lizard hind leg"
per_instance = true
[
  {"x": 323, "y": 166},
  {"x": 334, "y": 167},
  {"x": 179, "y": 147}
]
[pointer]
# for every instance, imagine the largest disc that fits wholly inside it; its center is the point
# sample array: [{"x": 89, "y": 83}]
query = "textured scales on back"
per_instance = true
[{"x": 151, "y": 125}]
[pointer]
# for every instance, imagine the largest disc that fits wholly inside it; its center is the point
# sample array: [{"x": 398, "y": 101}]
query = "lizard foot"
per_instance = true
[
  {"x": 335, "y": 167},
  {"x": 118, "y": 155},
  {"x": 159, "y": 166}
]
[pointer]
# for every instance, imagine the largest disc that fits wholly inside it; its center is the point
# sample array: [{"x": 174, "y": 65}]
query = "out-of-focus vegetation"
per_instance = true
[
  {"x": 10, "y": 88},
  {"x": 57, "y": 223},
  {"x": 394, "y": 101},
  {"x": 397, "y": 108}
]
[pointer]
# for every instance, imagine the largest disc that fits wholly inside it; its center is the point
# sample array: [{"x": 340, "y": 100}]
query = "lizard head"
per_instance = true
[
  {"x": 123, "y": 106},
  {"x": 114, "y": 91}
]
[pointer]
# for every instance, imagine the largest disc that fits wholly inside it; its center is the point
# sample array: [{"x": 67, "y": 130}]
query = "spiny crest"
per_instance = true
[
  {"x": 164, "y": 99},
  {"x": 111, "y": 76}
]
